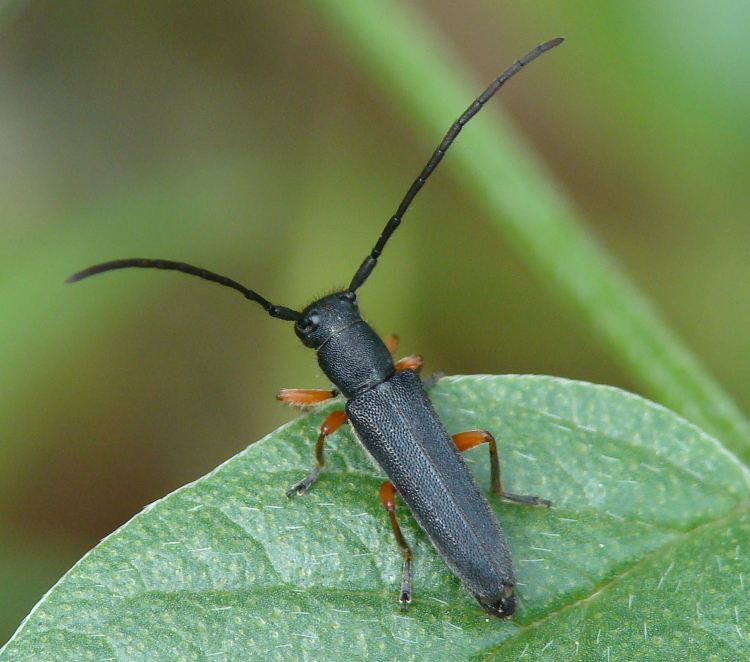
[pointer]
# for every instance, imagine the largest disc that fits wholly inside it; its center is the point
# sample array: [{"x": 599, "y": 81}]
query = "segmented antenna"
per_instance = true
[
  {"x": 372, "y": 259},
  {"x": 274, "y": 311}
]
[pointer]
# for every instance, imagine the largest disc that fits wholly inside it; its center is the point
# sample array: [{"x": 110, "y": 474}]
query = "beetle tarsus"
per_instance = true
[
  {"x": 405, "y": 597},
  {"x": 527, "y": 500},
  {"x": 298, "y": 489}
]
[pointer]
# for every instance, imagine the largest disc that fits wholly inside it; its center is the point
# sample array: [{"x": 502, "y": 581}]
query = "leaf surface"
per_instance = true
[{"x": 644, "y": 554}]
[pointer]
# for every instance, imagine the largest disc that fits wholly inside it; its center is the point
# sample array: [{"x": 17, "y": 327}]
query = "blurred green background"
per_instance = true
[{"x": 243, "y": 137}]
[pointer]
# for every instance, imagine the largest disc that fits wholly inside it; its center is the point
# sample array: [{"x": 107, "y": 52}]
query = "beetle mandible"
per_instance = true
[{"x": 391, "y": 415}]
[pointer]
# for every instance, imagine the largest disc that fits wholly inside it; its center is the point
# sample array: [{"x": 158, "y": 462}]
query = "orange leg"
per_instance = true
[
  {"x": 304, "y": 397},
  {"x": 388, "y": 499},
  {"x": 333, "y": 422},
  {"x": 411, "y": 362},
  {"x": 466, "y": 440}
]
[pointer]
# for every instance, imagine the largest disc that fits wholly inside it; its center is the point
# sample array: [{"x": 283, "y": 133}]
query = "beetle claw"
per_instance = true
[
  {"x": 405, "y": 601},
  {"x": 298, "y": 489}
]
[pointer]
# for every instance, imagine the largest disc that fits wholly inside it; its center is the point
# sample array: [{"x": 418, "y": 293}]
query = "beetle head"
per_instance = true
[{"x": 326, "y": 317}]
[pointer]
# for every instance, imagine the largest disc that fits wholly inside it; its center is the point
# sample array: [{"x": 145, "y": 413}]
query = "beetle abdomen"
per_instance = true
[{"x": 398, "y": 426}]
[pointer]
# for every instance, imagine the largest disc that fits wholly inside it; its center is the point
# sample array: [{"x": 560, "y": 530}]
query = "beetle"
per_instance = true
[{"x": 391, "y": 415}]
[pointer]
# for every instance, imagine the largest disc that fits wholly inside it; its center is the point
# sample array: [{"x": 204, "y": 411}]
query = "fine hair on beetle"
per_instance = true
[{"x": 390, "y": 414}]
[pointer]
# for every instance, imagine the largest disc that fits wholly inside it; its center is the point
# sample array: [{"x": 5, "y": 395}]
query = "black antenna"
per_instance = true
[
  {"x": 274, "y": 311},
  {"x": 372, "y": 259}
]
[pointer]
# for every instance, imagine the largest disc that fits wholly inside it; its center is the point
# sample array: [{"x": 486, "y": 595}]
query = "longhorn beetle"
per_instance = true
[{"x": 391, "y": 415}]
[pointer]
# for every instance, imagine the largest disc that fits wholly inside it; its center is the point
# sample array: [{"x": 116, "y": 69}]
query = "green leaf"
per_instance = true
[{"x": 644, "y": 554}]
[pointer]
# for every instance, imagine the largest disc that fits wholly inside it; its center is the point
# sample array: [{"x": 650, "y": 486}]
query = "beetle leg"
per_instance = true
[
  {"x": 304, "y": 397},
  {"x": 388, "y": 499},
  {"x": 333, "y": 422},
  {"x": 466, "y": 440},
  {"x": 411, "y": 362}
]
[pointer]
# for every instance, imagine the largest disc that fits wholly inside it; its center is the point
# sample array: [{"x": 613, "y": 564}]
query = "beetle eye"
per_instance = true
[{"x": 308, "y": 324}]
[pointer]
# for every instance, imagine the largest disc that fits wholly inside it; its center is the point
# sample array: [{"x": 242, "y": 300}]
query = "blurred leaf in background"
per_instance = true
[{"x": 243, "y": 137}]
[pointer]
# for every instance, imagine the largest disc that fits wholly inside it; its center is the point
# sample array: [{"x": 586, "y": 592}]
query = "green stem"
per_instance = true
[{"x": 414, "y": 66}]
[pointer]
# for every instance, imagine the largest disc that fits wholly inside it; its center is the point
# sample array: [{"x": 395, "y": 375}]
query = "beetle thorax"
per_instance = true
[{"x": 349, "y": 352}]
